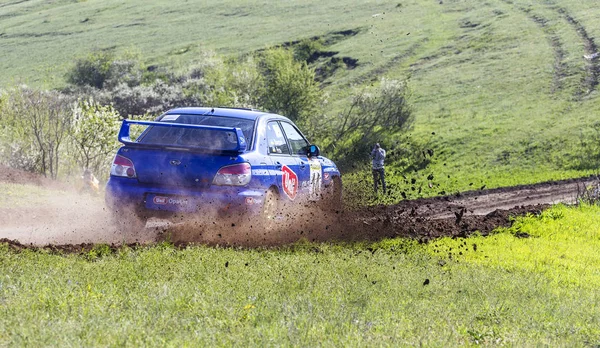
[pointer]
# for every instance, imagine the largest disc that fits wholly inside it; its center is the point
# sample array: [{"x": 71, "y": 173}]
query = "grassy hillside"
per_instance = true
[{"x": 501, "y": 89}]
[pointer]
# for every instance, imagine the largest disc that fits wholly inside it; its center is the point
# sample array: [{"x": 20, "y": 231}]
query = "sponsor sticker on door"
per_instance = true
[{"x": 289, "y": 182}]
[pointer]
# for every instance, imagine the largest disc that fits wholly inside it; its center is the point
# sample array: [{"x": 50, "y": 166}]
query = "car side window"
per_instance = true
[
  {"x": 297, "y": 141},
  {"x": 276, "y": 140}
]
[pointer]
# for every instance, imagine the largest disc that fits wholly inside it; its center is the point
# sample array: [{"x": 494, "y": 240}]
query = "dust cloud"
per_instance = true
[
  {"x": 42, "y": 211},
  {"x": 63, "y": 216}
]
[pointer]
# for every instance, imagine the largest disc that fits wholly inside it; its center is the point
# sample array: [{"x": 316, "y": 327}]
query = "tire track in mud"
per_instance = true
[
  {"x": 374, "y": 74},
  {"x": 12, "y": 3},
  {"x": 590, "y": 82},
  {"x": 592, "y": 71},
  {"x": 559, "y": 66}
]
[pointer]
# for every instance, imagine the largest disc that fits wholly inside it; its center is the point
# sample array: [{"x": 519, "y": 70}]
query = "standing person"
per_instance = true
[{"x": 378, "y": 156}]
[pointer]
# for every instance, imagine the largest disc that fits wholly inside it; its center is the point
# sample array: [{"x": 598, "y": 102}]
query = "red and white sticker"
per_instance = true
[
  {"x": 160, "y": 200},
  {"x": 289, "y": 182}
]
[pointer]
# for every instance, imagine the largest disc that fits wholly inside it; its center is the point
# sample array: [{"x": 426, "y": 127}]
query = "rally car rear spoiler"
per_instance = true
[{"x": 237, "y": 146}]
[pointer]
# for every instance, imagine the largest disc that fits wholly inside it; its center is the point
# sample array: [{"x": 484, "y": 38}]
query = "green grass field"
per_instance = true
[
  {"x": 501, "y": 89},
  {"x": 498, "y": 290}
]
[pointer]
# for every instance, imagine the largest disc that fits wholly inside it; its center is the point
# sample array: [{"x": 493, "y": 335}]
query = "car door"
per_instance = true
[
  {"x": 284, "y": 166},
  {"x": 298, "y": 146}
]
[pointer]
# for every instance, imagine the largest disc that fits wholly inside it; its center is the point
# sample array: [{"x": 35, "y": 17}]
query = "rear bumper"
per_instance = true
[{"x": 147, "y": 200}]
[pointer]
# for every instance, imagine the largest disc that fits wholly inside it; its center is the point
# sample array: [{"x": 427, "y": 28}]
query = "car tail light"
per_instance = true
[
  {"x": 235, "y": 175},
  {"x": 123, "y": 166}
]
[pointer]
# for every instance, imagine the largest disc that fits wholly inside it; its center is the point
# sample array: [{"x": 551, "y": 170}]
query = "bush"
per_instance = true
[
  {"x": 217, "y": 82},
  {"x": 140, "y": 100},
  {"x": 92, "y": 70},
  {"x": 124, "y": 71},
  {"x": 102, "y": 70},
  {"x": 307, "y": 49}
]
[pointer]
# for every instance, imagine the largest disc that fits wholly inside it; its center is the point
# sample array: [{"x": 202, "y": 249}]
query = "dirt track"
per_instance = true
[{"x": 71, "y": 221}]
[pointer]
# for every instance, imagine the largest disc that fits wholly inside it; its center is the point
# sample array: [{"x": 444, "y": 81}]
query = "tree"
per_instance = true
[
  {"x": 94, "y": 134},
  {"x": 290, "y": 86},
  {"x": 371, "y": 116},
  {"x": 44, "y": 118}
]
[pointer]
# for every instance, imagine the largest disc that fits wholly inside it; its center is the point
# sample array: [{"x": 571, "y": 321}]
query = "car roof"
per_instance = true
[{"x": 249, "y": 114}]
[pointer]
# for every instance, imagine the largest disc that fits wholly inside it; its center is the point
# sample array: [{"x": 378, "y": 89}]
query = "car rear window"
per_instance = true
[{"x": 194, "y": 137}]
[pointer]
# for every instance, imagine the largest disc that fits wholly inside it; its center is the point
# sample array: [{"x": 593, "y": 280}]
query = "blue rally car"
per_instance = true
[{"x": 199, "y": 160}]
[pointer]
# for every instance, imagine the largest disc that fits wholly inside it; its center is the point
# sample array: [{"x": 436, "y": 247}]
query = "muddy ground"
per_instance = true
[{"x": 67, "y": 220}]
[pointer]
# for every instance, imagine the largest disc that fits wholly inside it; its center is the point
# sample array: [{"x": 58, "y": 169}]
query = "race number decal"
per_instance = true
[
  {"x": 315, "y": 178},
  {"x": 289, "y": 182}
]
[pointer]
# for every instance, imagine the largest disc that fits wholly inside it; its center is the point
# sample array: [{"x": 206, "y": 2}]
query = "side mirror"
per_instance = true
[{"x": 313, "y": 151}]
